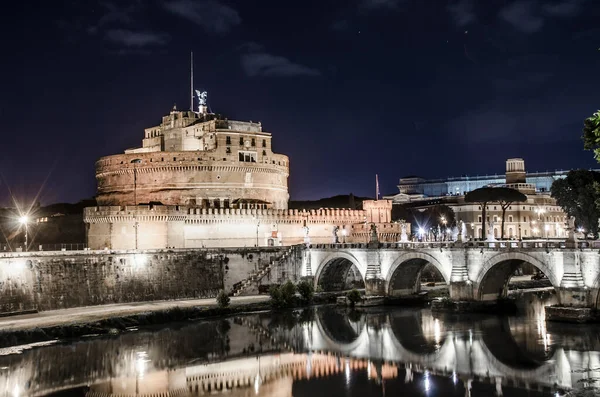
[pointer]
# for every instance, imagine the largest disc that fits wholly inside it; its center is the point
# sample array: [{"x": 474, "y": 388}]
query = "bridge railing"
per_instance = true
[{"x": 500, "y": 244}]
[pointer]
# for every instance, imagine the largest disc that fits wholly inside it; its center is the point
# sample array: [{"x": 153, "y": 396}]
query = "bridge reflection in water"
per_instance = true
[{"x": 316, "y": 352}]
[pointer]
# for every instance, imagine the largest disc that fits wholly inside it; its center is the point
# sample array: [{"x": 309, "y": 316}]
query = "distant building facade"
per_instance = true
[
  {"x": 538, "y": 217},
  {"x": 200, "y": 180}
]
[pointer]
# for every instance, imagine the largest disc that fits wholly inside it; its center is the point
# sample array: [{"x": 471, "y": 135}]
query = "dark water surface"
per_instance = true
[{"x": 327, "y": 351}]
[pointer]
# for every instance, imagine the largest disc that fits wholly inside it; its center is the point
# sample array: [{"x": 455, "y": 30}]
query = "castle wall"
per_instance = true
[
  {"x": 58, "y": 280},
  {"x": 191, "y": 178},
  {"x": 193, "y": 227}
]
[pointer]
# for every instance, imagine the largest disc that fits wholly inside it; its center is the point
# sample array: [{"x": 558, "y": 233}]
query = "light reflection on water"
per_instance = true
[{"x": 327, "y": 351}]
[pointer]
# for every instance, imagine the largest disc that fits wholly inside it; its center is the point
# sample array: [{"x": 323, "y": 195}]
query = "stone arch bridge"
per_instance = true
[{"x": 476, "y": 271}]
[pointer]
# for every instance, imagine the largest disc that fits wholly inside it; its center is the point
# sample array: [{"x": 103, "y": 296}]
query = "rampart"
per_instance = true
[
  {"x": 57, "y": 280},
  {"x": 151, "y": 227}
]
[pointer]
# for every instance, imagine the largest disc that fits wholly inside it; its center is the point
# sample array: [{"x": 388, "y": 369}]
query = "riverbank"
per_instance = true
[{"x": 116, "y": 318}]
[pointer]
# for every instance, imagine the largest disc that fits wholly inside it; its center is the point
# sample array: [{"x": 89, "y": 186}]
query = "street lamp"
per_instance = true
[
  {"x": 257, "y": 226},
  {"x": 24, "y": 220},
  {"x": 135, "y": 162},
  {"x": 135, "y": 223}
]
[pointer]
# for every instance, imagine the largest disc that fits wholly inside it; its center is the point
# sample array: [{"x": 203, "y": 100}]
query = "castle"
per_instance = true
[{"x": 201, "y": 180}]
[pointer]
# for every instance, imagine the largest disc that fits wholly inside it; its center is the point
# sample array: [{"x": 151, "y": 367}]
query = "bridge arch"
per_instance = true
[
  {"x": 404, "y": 273},
  {"x": 492, "y": 280},
  {"x": 333, "y": 271}
]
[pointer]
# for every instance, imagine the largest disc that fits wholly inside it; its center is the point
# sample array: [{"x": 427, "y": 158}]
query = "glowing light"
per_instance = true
[
  {"x": 454, "y": 378},
  {"x": 580, "y": 230},
  {"x": 369, "y": 370},
  {"x": 426, "y": 382},
  {"x": 437, "y": 332},
  {"x": 421, "y": 231},
  {"x": 24, "y": 219},
  {"x": 141, "y": 363},
  {"x": 257, "y": 381},
  {"x": 347, "y": 371},
  {"x": 470, "y": 336},
  {"x": 139, "y": 260},
  {"x": 16, "y": 391}
]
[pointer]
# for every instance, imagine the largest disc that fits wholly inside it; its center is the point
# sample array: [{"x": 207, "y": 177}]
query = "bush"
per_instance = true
[
  {"x": 223, "y": 299},
  {"x": 353, "y": 297},
  {"x": 283, "y": 296},
  {"x": 288, "y": 291},
  {"x": 275, "y": 294},
  {"x": 306, "y": 290}
]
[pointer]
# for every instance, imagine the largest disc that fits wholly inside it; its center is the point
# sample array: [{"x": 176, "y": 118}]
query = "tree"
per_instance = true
[
  {"x": 579, "y": 194},
  {"x": 306, "y": 290},
  {"x": 223, "y": 299},
  {"x": 482, "y": 196},
  {"x": 506, "y": 196},
  {"x": 591, "y": 134}
]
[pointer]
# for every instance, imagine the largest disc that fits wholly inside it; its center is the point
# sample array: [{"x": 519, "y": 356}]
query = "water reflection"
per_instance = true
[{"x": 328, "y": 351}]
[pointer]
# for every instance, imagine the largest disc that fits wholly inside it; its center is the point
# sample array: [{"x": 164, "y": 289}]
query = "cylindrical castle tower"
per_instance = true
[{"x": 199, "y": 160}]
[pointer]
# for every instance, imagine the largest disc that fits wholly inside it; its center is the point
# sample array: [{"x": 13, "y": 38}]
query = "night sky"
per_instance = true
[{"x": 349, "y": 88}]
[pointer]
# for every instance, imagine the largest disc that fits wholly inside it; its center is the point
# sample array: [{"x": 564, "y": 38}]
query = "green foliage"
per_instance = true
[
  {"x": 288, "y": 290},
  {"x": 275, "y": 294},
  {"x": 353, "y": 296},
  {"x": 306, "y": 290},
  {"x": 283, "y": 296},
  {"x": 502, "y": 195},
  {"x": 591, "y": 134},
  {"x": 579, "y": 195},
  {"x": 223, "y": 299}
]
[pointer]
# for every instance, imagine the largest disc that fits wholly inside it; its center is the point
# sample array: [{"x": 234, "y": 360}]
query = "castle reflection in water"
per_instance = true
[{"x": 324, "y": 351}]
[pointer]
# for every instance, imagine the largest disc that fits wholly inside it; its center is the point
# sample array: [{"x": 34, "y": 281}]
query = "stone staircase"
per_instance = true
[{"x": 240, "y": 287}]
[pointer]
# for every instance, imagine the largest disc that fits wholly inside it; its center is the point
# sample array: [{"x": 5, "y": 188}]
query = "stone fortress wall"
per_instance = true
[
  {"x": 60, "y": 280},
  {"x": 200, "y": 180},
  {"x": 154, "y": 227}
]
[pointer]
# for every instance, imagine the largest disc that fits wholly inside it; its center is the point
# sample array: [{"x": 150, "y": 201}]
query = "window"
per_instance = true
[
  {"x": 247, "y": 157},
  {"x": 241, "y": 141},
  {"x": 524, "y": 219},
  {"x": 228, "y": 150},
  {"x": 479, "y": 218},
  {"x": 264, "y": 143},
  {"x": 510, "y": 218},
  {"x": 253, "y": 142},
  {"x": 228, "y": 140},
  {"x": 264, "y": 152}
]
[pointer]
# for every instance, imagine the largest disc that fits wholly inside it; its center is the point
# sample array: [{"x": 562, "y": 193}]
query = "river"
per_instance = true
[{"x": 325, "y": 351}]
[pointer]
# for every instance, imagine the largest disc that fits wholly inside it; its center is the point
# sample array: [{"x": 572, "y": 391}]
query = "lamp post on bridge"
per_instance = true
[
  {"x": 24, "y": 220},
  {"x": 135, "y": 162}
]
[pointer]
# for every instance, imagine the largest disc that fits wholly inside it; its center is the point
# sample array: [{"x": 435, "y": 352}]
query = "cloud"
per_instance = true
[
  {"x": 563, "y": 9},
  {"x": 264, "y": 64},
  {"x": 115, "y": 14},
  {"x": 340, "y": 25},
  {"x": 212, "y": 15},
  {"x": 380, "y": 3},
  {"x": 522, "y": 16},
  {"x": 139, "y": 39},
  {"x": 462, "y": 13}
]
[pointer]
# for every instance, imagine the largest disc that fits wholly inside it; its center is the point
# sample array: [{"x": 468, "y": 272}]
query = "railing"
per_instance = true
[
  {"x": 45, "y": 247},
  {"x": 504, "y": 244}
]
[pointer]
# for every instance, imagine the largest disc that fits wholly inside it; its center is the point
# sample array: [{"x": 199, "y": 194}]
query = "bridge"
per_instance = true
[{"x": 474, "y": 271}]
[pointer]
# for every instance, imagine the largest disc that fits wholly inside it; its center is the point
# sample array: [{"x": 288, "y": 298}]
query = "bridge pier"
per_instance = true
[{"x": 375, "y": 287}]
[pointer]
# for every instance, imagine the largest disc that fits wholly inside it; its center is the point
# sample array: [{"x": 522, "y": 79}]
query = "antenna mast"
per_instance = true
[{"x": 192, "y": 81}]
